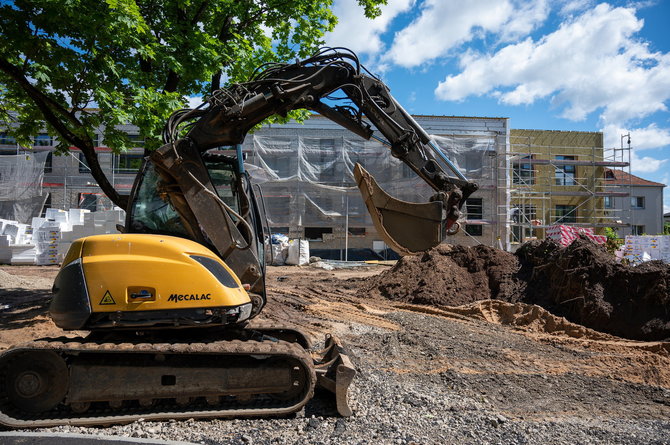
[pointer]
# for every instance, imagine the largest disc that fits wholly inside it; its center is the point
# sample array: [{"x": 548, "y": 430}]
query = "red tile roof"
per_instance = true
[{"x": 621, "y": 177}]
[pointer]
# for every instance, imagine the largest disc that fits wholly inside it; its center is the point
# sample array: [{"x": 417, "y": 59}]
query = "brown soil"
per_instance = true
[
  {"x": 450, "y": 275},
  {"x": 511, "y": 358},
  {"x": 581, "y": 282}
]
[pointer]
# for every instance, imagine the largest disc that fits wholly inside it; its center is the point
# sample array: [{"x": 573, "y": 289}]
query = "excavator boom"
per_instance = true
[{"x": 231, "y": 112}]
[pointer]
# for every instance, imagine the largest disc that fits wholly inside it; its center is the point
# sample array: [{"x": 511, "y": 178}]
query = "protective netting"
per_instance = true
[
  {"x": 309, "y": 181},
  {"x": 21, "y": 185}
]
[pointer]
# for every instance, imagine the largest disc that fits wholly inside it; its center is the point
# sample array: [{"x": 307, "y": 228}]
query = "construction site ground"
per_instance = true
[{"x": 485, "y": 372}]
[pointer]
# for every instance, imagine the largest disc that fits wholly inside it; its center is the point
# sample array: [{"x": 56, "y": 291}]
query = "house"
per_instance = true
[{"x": 642, "y": 211}]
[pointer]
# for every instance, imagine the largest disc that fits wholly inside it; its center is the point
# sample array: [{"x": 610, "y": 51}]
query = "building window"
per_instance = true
[
  {"x": 565, "y": 174},
  {"x": 637, "y": 230},
  {"x": 43, "y": 140},
  {"x": 474, "y": 161},
  {"x": 128, "y": 163},
  {"x": 522, "y": 172},
  {"x": 637, "y": 202},
  {"x": 356, "y": 231},
  {"x": 474, "y": 208},
  {"x": 566, "y": 214},
  {"x": 282, "y": 230},
  {"x": 327, "y": 145},
  {"x": 609, "y": 202},
  {"x": 48, "y": 163},
  {"x": 96, "y": 138},
  {"x": 136, "y": 141},
  {"x": 88, "y": 201},
  {"x": 83, "y": 164},
  {"x": 316, "y": 233},
  {"x": 474, "y": 229},
  {"x": 6, "y": 139}
]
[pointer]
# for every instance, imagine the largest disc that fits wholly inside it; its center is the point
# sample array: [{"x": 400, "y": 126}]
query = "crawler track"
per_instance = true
[{"x": 122, "y": 381}]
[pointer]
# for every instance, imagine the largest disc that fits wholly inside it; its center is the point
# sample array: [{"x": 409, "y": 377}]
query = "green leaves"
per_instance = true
[{"x": 136, "y": 61}]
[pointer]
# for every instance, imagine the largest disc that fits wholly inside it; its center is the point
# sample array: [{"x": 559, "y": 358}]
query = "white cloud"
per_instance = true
[
  {"x": 574, "y": 6},
  {"x": 443, "y": 25},
  {"x": 194, "y": 102},
  {"x": 357, "y": 32},
  {"x": 646, "y": 138},
  {"x": 592, "y": 62},
  {"x": 645, "y": 164}
]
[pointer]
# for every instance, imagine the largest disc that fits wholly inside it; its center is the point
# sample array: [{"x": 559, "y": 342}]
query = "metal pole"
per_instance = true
[
  {"x": 240, "y": 157},
  {"x": 346, "y": 229}
]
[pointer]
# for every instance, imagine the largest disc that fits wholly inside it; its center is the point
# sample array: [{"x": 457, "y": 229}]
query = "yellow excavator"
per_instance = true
[{"x": 171, "y": 302}]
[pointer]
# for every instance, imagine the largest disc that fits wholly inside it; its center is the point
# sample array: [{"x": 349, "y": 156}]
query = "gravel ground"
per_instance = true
[{"x": 428, "y": 379}]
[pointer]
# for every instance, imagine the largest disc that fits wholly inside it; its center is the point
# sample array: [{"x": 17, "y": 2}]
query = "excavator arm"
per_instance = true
[{"x": 230, "y": 113}]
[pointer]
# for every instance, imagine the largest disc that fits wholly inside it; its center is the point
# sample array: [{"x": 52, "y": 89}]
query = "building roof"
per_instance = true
[{"x": 620, "y": 177}]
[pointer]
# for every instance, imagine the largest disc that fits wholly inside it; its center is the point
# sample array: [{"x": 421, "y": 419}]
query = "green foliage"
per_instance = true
[
  {"x": 613, "y": 241},
  {"x": 137, "y": 61},
  {"x": 666, "y": 228}
]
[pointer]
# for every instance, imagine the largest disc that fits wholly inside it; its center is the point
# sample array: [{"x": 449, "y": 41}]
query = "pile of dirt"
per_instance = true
[
  {"x": 581, "y": 282},
  {"x": 585, "y": 284},
  {"x": 450, "y": 276}
]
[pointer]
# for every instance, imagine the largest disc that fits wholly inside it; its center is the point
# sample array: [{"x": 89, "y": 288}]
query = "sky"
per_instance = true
[{"x": 571, "y": 65}]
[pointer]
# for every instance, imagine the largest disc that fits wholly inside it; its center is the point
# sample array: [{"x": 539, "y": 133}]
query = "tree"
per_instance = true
[{"x": 136, "y": 61}]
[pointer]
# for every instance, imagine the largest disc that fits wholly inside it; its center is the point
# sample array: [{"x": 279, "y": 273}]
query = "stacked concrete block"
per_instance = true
[{"x": 48, "y": 239}]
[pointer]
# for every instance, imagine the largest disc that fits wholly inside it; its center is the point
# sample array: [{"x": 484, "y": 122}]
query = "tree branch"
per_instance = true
[{"x": 49, "y": 108}]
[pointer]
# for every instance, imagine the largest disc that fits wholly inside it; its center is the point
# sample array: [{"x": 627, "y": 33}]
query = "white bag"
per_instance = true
[
  {"x": 279, "y": 253},
  {"x": 298, "y": 252}
]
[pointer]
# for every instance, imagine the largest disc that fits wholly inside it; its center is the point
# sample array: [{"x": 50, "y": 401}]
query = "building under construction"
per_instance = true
[
  {"x": 558, "y": 177},
  {"x": 529, "y": 179}
]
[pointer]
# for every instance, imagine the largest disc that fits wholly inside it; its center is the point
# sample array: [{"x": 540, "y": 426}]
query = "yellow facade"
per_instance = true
[{"x": 556, "y": 178}]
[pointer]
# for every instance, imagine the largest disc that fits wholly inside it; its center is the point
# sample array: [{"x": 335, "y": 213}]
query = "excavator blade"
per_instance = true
[
  {"x": 334, "y": 372},
  {"x": 408, "y": 228}
]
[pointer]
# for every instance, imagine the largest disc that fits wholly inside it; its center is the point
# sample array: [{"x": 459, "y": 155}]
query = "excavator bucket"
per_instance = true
[
  {"x": 408, "y": 228},
  {"x": 334, "y": 372}
]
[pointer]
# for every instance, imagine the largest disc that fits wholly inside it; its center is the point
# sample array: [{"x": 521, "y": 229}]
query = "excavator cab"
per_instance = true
[{"x": 152, "y": 212}]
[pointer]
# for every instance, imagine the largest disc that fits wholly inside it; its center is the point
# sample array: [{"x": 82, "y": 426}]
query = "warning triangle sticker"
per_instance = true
[{"x": 107, "y": 299}]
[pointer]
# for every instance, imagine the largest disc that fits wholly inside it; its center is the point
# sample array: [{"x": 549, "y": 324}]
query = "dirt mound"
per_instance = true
[
  {"x": 450, "y": 276},
  {"x": 586, "y": 285},
  {"x": 582, "y": 283}
]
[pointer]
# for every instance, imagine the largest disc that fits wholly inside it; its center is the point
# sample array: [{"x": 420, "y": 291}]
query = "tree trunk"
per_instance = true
[{"x": 100, "y": 177}]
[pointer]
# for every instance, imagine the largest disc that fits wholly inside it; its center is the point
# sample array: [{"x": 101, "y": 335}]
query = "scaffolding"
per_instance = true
[{"x": 559, "y": 178}]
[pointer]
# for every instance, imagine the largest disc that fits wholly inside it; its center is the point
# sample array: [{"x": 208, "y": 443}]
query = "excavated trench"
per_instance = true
[{"x": 581, "y": 282}]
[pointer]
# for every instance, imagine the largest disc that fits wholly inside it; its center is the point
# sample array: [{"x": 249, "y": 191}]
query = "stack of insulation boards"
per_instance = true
[
  {"x": 46, "y": 240},
  {"x": 640, "y": 248},
  {"x": 16, "y": 245}
]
